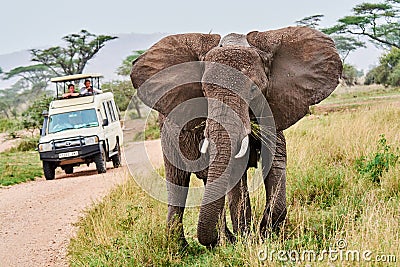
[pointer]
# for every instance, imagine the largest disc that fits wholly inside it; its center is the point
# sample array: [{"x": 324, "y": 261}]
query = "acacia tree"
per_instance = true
[
  {"x": 72, "y": 59},
  {"x": 310, "y": 21},
  {"x": 378, "y": 22},
  {"x": 35, "y": 77},
  {"x": 346, "y": 44},
  {"x": 12, "y": 98}
]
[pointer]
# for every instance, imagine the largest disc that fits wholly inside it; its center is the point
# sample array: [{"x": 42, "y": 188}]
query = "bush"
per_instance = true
[
  {"x": 378, "y": 162},
  {"x": 7, "y": 125},
  {"x": 388, "y": 72},
  {"x": 349, "y": 74},
  {"x": 32, "y": 117},
  {"x": 26, "y": 144}
]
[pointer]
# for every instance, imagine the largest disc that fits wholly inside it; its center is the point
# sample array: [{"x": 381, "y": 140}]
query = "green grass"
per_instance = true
[
  {"x": 18, "y": 167},
  {"x": 357, "y": 97},
  {"x": 328, "y": 199},
  {"x": 361, "y": 93}
]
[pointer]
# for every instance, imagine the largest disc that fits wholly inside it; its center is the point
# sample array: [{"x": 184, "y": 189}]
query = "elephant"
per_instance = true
[{"x": 220, "y": 90}]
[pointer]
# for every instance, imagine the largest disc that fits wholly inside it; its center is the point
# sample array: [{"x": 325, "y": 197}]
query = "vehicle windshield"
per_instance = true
[{"x": 73, "y": 120}]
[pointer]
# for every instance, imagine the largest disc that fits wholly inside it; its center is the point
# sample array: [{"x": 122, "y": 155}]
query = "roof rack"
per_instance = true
[
  {"x": 76, "y": 77},
  {"x": 62, "y": 82}
]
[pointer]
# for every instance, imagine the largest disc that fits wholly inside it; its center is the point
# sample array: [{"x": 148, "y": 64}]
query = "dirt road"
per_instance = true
[{"x": 36, "y": 218}]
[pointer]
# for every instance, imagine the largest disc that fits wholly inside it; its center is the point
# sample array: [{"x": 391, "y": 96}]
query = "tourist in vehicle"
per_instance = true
[
  {"x": 88, "y": 89},
  {"x": 71, "y": 91}
]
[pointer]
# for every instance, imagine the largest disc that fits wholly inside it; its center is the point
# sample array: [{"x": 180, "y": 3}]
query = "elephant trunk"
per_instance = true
[
  {"x": 217, "y": 184},
  {"x": 227, "y": 144}
]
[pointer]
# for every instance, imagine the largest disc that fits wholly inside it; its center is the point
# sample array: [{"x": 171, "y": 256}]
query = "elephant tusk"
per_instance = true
[
  {"x": 243, "y": 147},
  {"x": 204, "y": 147}
]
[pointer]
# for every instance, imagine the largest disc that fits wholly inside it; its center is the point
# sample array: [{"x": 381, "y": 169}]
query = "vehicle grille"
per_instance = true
[{"x": 68, "y": 143}]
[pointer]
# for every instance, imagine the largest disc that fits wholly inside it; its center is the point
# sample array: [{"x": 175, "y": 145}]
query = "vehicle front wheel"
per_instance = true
[
  {"x": 49, "y": 170},
  {"x": 100, "y": 161}
]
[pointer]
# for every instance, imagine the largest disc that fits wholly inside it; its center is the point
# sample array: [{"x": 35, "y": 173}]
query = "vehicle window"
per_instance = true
[
  {"x": 116, "y": 110},
  {"x": 73, "y": 120},
  {"x": 110, "y": 108},
  {"x": 106, "y": 111}
]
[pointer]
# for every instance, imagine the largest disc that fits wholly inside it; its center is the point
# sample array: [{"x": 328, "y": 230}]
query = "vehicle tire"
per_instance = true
[
  {"x": 69, "y": 170},
  {"x": 100, "y": 161},
  {"x": 49, "y": 170},
  {"x": 116, "y": 159}
]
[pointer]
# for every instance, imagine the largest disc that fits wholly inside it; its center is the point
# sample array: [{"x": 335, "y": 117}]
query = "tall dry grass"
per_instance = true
[{"x": 330, "y": 206}]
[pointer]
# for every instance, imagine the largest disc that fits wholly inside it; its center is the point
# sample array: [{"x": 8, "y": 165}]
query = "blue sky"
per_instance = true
[{"x": 29, "y": 24}]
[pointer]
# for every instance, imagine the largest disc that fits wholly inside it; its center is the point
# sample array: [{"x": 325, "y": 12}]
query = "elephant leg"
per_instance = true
[
  {"x": 275, "y": 187},
  {"x": 177, "y": 188},
  {"x": 239, "y": 206}
]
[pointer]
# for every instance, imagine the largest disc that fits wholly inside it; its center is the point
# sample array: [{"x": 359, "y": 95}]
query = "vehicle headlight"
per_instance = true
[
  {"x": 91, "y": 140},
  {"x": 45, "y": 147}
]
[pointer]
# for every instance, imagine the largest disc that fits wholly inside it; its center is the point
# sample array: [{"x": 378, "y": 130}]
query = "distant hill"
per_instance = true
[
  {"x": 114, "y": 52},
  {"x": 106, "y": 61}
]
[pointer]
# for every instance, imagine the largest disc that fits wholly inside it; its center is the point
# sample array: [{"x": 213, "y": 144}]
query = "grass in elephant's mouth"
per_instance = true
[{"x": 328, "y": 202}]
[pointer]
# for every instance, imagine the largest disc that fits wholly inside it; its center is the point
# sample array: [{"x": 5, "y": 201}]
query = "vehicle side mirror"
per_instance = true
[
  {"x": 40, "y": 131},
  {"x": 105, "y": 122}
]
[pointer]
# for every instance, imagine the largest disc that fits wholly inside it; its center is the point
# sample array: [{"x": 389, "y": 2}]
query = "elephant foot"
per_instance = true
[
  {"x": 178, "y": 238},
  {"x": 229, "y": 236},
  {"x": 272, "y": 221},
  {"x": 208, "y": 237},
  {"x": 183, "y": 244}
]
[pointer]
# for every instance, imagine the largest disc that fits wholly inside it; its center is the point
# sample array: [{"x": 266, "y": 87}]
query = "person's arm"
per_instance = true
[{"x": 97, "y": 91}]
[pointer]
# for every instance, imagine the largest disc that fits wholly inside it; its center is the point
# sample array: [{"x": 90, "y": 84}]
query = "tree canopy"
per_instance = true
[
  {"x": 346, "y": 44},
  {"x": 126, "y": 66},
  {"x": 310, "y": 21},
  {"x": 72, "y": 59},
  {"x": 379, "y": 22},
  {"x": 388, "y": 71},
  {"x": 35, "y": 76}
]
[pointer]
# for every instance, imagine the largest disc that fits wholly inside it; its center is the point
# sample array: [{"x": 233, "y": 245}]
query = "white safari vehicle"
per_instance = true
[{"x": 80, "y": 130}]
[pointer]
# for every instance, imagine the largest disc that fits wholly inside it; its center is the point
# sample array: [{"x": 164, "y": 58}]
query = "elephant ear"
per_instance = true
[
  {"x": 172, "y": 86},
  {"x": 303, "y": 68}
]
